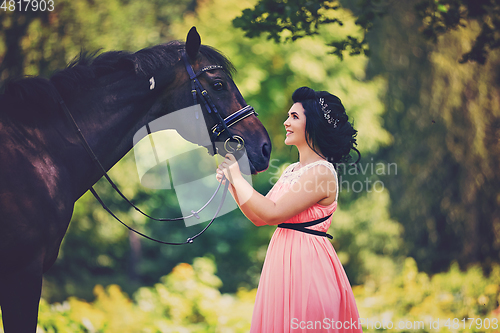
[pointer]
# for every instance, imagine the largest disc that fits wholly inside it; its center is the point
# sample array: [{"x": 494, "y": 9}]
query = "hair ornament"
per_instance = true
[{"x": 326, "y": 112}]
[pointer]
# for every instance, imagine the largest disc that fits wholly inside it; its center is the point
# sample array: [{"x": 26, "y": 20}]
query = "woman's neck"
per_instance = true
[{"x": 307, "y": 155}]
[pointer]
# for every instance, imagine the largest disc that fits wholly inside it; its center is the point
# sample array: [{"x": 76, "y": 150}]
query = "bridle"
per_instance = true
[{"x": 222, "y": 124}]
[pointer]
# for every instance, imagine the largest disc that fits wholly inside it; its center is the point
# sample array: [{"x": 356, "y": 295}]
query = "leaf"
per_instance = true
[{"x": 442, "y": 8}]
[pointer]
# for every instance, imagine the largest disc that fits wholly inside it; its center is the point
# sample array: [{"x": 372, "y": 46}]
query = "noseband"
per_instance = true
[{"x": 222, "y": 124}]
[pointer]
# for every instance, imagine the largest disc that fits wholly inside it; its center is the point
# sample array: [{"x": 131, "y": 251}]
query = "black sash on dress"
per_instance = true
[{"x": 302, "y": 227}]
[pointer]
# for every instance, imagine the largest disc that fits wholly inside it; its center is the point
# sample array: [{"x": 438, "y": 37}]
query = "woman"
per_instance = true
[{"x": 303, "y": 286}]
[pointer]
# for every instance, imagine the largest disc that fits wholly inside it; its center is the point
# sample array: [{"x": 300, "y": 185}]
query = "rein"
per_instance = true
[{"x": 222, "y": 124}]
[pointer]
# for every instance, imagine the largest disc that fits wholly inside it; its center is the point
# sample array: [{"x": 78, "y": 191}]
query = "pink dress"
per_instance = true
[{"x": 303, "y": 286}]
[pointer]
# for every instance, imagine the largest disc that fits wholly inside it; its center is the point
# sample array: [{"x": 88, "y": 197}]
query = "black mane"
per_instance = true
[{"x": 37, "y": 96}]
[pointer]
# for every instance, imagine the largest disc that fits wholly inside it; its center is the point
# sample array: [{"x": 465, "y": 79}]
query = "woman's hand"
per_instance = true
[
  {"x": 229, "y": 168},
  {"x": 239, "y": 188}
]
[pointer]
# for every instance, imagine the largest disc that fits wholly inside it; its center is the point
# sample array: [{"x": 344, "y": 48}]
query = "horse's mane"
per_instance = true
[{"x": 37, "y": 96}]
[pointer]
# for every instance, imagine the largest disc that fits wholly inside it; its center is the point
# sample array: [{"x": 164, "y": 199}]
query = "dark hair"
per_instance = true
[{"x": 334, "y": 139}]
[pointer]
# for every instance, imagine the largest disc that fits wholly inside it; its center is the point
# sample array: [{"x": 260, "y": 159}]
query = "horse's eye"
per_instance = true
[{"x": 218, "y": 85}]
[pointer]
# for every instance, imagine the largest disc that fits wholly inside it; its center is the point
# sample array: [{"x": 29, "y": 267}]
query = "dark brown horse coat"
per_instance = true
[{"x": 44, "y": 168}]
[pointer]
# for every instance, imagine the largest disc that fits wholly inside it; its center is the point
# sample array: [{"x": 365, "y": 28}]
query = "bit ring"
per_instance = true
[{"x": 239, "y": 146}]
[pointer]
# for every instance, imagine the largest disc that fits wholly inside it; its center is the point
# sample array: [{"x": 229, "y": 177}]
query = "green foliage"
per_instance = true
[
  {"x": 440, "y": 17},
  {"x": 413, "y": 297},
  {"x": 367, "y": 240},
  {"x": 186, "y": 300},
  {"x": 300, "y": 19},
  {"x": 294, "y": 19},
  {"x": 39, "y": 43}
]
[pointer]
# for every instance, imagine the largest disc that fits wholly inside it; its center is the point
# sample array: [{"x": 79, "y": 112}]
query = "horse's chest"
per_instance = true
[{"x": 35, "y": 200}]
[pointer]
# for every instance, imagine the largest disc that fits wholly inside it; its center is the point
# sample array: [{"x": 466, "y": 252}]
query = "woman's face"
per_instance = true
[{"x": 295, "y": 126}]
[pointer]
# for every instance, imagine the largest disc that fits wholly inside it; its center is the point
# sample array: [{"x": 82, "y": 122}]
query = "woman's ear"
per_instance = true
[{"x": 193, "y": 42}]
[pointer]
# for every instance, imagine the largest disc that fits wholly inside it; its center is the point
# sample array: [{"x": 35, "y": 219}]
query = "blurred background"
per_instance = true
[{"x": 418, "y": 224}]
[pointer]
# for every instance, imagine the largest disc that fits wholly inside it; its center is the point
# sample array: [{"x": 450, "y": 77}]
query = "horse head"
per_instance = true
[{"x": 203, "y": 77}]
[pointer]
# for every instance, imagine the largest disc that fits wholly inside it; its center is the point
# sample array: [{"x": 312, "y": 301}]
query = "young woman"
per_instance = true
[{"x": 303, "y": 286}]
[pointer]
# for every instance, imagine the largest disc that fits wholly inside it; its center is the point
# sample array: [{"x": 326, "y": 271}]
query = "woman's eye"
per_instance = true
[{"x": 218, "y": 85}]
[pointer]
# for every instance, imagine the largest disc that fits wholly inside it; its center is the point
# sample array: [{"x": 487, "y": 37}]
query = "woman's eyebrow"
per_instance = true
[{"x": 293, "y": 113}]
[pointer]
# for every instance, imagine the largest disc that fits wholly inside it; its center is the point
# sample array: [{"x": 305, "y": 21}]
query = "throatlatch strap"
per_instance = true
[{"x": 302, "y": 227}]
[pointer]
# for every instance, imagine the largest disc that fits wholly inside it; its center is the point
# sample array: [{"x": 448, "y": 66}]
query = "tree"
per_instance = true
[
  {"x": 440, "y": 17},
  {"x": 293, "y": 19},
  {"x": 41, "y": 42},
  {"x": 444, "y": 120},
  {"x": 13, "y": 28}
]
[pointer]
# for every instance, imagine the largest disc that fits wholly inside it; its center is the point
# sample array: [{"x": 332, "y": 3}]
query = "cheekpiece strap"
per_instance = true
[{"x": 188, "y": 66}]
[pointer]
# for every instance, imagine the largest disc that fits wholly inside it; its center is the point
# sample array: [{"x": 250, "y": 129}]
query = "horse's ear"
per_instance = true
[{"x": 193, "y": 42}]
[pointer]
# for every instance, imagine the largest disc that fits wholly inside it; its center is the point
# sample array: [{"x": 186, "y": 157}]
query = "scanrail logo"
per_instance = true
[{"x": 171, "y": 154}]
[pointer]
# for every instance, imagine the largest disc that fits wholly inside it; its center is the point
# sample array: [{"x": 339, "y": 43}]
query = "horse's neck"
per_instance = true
[{"x": 109, "y": 117}]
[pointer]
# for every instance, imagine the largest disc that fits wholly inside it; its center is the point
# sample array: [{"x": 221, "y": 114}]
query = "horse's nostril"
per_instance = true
[{"x": 266, "y": 150}]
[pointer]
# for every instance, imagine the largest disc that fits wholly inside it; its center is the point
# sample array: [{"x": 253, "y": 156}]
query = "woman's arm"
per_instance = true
[
  {"x": 313, "y": 186},
  {"x": 245, "y": 209}
]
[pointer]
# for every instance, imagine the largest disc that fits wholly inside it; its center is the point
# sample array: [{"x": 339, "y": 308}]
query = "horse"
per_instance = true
[{"x": 45, "y": 168}]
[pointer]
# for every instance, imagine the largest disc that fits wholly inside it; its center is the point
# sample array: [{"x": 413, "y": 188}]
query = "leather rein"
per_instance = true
[{"x": 222, "y": 124}]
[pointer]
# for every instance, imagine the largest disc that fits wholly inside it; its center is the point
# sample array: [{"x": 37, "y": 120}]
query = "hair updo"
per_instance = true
[{"x": 334, "y": 137}]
